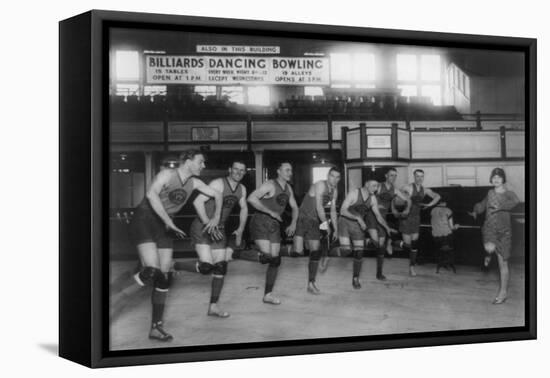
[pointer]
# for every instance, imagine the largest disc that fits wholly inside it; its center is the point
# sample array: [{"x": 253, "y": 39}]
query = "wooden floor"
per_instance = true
[{"x": 402, "y": 304}]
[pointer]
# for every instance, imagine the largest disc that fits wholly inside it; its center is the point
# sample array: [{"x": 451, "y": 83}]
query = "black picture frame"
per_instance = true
[{"x": 83, "y": 194}]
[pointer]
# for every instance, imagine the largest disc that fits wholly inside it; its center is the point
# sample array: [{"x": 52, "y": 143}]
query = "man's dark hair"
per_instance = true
[
  {"x": 334, "y": 169},
  {"x": 190, "y": 155},
  {"x": 418, "y": 170},
  {"x": 239, "y": 162},
  {"x": 280, "y": 164}
]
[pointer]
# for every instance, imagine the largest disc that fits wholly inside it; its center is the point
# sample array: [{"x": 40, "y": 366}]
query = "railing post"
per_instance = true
[
  {"x": 502, "y": 130},
  {"x": 394, "y": 141},
  {"x": 363, "y": 140},
  {"x": 329, "y": 131},
  {"x": 344, "y": 143}
]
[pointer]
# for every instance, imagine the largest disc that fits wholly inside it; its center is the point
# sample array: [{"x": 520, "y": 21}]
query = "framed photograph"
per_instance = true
[{"x": 235, "y": 189}]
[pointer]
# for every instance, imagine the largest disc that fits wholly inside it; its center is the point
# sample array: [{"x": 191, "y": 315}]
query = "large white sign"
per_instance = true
[
  {"x": 228, "y": 49},
  {"x": 228, "y": 70}
]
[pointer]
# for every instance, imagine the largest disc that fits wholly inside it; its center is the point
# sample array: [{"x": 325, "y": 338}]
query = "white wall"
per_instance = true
[
  {"x": 31, "y": 337},
  {"x": 497, "y": 95},
  {"x": 471, "y": 174}
]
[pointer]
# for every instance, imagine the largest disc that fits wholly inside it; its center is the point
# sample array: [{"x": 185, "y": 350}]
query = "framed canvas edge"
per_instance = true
[{"x": 97, "y": 287}]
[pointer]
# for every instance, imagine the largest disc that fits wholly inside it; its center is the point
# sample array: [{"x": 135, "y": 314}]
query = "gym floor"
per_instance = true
[{"x": 402, "y": 304}]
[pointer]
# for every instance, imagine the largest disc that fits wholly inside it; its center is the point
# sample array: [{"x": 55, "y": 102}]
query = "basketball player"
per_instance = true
[
  {"x": 311, "y": 216},
  {"x": 409, "y": 224},
  {"x": 270, "y": 201},
  {"x": 211, "y": 247},
  {"x": 384, "y": 195},
  {"x": 352, "y": 226},
  {"x": 152, "y": 227}
]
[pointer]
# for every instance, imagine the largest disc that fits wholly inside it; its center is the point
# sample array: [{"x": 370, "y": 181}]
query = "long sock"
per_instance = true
[
  {"x": 380, "y": 261},
  {"x": 312, "y": 268},
  {"x": 287, "y": 250},
  {"x": 217, "y": 285},
  {"x": 158, "y": 299},
  {"x": 340, "y": 252},
  {"x": 248, "y": 255},
  {"x": 412, "y": 257},
  {"x": 270, "y": 277},
  {"x": 357, "y": 264},
  {"x": 187, "y": 266}
]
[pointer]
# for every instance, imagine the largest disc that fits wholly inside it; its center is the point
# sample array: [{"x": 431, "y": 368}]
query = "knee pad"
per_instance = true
[
  {"x": 414, "y": 245},
  {"x": 372, "y": 244},
  {"x": 358, "y": 254},
  {"x": 148, "y": 275},
  {"x": 315, "y": 255},
  {"x": 205, "y": 268},
  {"x": 345, "y": 250},
  {"x": 164, "y": 281},
  {"x": 380, "y": 251},
  {"x": 275, "y": 261},
  {"x": 220, "y": 268},
  {"x": 265, "y": 258},
  {"x": 406, "y": 247}
]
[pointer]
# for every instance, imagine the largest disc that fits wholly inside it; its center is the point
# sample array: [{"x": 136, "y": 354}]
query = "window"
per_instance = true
[
  {"x": 340, "y": 67},
  {"x": 154, "y": 90},
  {"x": 430, "y": 68},
  {"x": 460, "y": 81},
  {"x": 450, "y": 83},
  {"x": 313, "y": 91},
  {"x": 127, "y": 65},
  {"x": 466, "y": 86},
  {"x": 320, "y": 173},
  {"x": 258, "y": 96},
  {"x": 205, "y": 90},
  {"x": 421, "y": 75},
  {"x": 340, "y": 86},
  {"x": 363, "y": 67},
  {"x": 408, "y": 90},
  {"x": 234, "y": 94},
  {"x": 406, "y": 67},
  {"x": 433, "y": 92},
  {"x": 127, "y": 89}
]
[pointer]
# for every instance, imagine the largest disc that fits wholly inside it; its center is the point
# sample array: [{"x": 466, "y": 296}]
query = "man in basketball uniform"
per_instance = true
[
  {"x": 352, "y": 226},
  {"x": 270, "y": 201},
  {"x": 409, "y": 225},
  {"x": 311, "y": 216},
  {"x": 152, "y": 227},
  {"x": 211, "y": 247},
  {"x": 384, "y": 195}
]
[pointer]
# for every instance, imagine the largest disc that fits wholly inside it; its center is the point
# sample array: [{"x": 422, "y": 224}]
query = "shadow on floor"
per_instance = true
[{"x": 51, "y": 348}]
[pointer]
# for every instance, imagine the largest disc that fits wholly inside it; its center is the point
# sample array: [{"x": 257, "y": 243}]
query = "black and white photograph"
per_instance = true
[{"x": 277, "y": 188}]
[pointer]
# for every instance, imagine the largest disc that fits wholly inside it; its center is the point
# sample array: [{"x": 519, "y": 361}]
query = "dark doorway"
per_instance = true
[{"x": 305, "y": 164}]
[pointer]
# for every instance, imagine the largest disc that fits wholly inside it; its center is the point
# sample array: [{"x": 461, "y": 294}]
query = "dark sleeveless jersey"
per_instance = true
[
  {"x": 361, "y": 205},
  {"x": 174, "y": 194},
  {"x": 416, "y": 199},
  {"x": 230, "y": 199},
  {"x": 417, "y": 195},
  {"x": 308, "y": 208},
  {"x": 278, "y": 202},
  {"x": 385, "y": 196}
]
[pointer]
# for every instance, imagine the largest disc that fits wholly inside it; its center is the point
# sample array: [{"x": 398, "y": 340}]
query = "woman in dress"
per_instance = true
[{"x": 497, "y": 228}]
